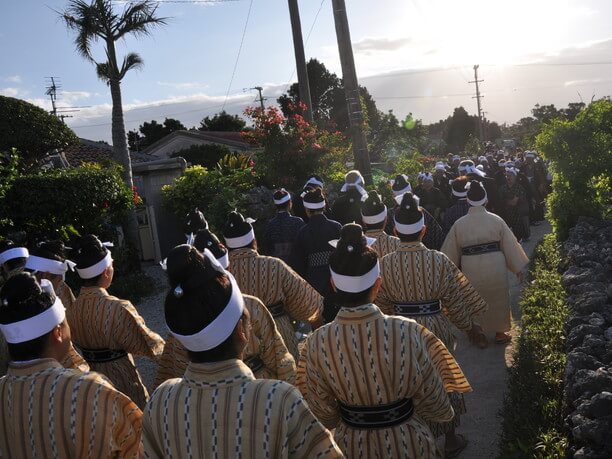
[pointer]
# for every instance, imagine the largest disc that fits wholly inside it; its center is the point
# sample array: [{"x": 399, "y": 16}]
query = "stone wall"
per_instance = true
[{"x": 588, "y": 374}]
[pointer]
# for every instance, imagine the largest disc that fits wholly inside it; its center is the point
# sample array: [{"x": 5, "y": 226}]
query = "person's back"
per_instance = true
[
  {"x": 51, "y": 411},
  {"x": 281, "y": 233},
  {"x": 245, "y": 417},
  {"x": 218, "y": 409},
  {"x": 347, "y": 208}
]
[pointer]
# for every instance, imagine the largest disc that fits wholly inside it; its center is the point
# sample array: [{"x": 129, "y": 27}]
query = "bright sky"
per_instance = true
[{"x": 189, "y": 62}]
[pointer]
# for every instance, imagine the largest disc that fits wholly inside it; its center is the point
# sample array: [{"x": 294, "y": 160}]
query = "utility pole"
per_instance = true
[
  {"x": 300, "y": 58},
  {"x": 478, "y": 97},
  {"x": 261, "y": 97},
  {"x": 52, "y": 93},
  {"x": 351, "y": 89}
]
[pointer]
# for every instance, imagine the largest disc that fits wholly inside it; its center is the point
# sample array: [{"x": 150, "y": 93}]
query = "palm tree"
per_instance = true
[{"x": 96, "y": 21}]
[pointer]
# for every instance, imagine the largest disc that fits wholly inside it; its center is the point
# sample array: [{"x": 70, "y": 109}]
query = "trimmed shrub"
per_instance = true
[
  {"x": 581, "y": 155},
  {"x": 533, "y": 407},
  {"x": 31, "y": 130},
  {"x": 211, "y": 191},
  {"x": 207, "y": 155},
  {"x": 67, "y": 202}
]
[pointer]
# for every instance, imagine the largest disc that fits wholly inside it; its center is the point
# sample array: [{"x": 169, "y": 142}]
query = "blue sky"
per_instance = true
[{"x": 189, "y": 62}]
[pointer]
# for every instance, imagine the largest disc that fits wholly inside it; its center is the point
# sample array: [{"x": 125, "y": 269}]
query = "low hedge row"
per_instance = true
[{"x": 533, "y": 407}]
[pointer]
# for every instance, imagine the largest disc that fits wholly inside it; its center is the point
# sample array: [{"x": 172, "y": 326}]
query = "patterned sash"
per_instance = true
[
  {"x": 479, "y": 249},
  {"x": 102, "y": 355},
  {"x": 421, "y": 308},
  {"x": 318, "y": 259},
  {"x": 254, "y": 362},
  {"x": 376, "y": 417}
]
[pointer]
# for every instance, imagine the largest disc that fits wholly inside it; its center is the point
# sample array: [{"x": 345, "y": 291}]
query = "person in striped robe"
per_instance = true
[
  {"x": 377, "y": 379},
  {"x": 424, "y": 285},
  {"x": 48, "y": 261},
  {"x": 109, "y": 330},
  {"x": 374, "y": 218},
  {"x": 218, "y": 408},
  {"x": 287, "y": 296},
  {"x": 49, "y": 410},
  {"x": 265, "y": 353}
]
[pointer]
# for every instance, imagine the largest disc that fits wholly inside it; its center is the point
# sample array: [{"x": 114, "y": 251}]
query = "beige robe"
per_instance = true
[
  {"x": 100, "y": 321},
  {"x": 219, "y": 410},
  {"x": 265, "y": 342},
  {"x": 366, "y": 358},
  {"x": 384, "y": 243},
  {"x": 53, "y": 412},
  {"x": 488, "y": 272}
]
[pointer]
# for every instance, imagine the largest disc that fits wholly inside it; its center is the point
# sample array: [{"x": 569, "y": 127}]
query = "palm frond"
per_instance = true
[
  {"x": 131, "y": 61},
  {"x": 137, "y": 18},
  {"x": 103, "y": 71},
  {"x": 84, "y": 19}
]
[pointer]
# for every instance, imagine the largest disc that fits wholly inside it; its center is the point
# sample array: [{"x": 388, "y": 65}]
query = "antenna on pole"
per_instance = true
[
  {"x": 52, "y": 89},
  {"x": 478, "y": 97},
  {"x": 261, "y": 99}
]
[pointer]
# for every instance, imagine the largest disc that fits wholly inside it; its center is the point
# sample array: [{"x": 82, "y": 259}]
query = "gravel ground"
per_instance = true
[{"x": 152, "y": 310}]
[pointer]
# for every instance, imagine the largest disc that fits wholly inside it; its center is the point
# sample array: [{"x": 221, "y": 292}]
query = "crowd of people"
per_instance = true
[{"x": 332, "y": 336}]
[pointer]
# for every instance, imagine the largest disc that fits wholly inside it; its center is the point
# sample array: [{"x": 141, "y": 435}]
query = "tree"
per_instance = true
[
  {"x": 207, "y": 155},
  {"x": 459, "y": 129},
  {"x": 152, "y": 132},
  {"x": 31, "y": 131},
  {"x": 222, "y": 122},
  {"x": 98, "y": 21},
  {"x": 545, "y": 113}
]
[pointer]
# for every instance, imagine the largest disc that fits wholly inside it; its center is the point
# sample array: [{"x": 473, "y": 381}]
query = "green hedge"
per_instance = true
[
  {"x": 533, "y": 407},
  {"x": 581, "y": 155},
  {"x": 68, "y": 202}
]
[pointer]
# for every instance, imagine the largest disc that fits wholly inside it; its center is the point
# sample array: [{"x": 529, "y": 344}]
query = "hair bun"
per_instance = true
[
  {"x": 409, "y": 202},
  {"x": 352, "y": 240}
]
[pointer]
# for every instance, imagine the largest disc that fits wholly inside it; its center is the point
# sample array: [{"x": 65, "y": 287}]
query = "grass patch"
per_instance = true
[{"x": 533, "y": 407}]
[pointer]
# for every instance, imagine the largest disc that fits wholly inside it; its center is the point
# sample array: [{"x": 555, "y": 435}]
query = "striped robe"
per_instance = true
[
  {"x": 384, "y": 244},
  {"x": 73, "y": 359},
  {"x": 264, "y": 341},
  {"x": 414, "y": 273},
  {"x": 454, "y": 213},
  {"x": 100, "y": 321},
  {"x": 488, "y": 272},
  {"x": 273, "y": 281},
  {"x": 366, "y": 358},
  {"x": 50, "y": 411},
  {"x": 220, "y": 410}
]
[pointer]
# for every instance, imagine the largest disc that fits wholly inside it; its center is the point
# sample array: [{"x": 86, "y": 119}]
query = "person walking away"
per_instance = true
[
  {"x": 49, "y": 410},
  {"x": 374, "y": 218},
  {"x": 218, "y": 408},
  {"x": 376, "y": 379},
  {"x": 347, "y": 208},
  {"x": 108, "y": 330},
  {"x": 484, "y": 248}
]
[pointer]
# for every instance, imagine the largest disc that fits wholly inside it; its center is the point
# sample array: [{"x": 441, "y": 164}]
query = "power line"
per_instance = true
[
  {"x": 246, "y": 23},
  {"x": 478, "y": 97}
]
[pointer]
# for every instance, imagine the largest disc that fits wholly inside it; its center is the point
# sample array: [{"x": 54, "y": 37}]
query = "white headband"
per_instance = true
[
  {"x": 402, "y": 191},
  {"x": 410, "y": 229},
  {"x": 440, "y": 167},
  {"x": 283, "y": 200},
  {"x": 482, "y": 202},
  {"x": 373, "y": 219},
  {"x": 314, "y": 205},
  {"x": 459, "y": 194},
  {"x": 369, "y": 241},
  {"x": 314, "y": 181},
  {"x": 190, "y": 238},
  {"x": 224, "y": 260},
  {"x": 512, "y": 170},
  {"x": 37, "y": 326},
  {"x": 356, "y": 284},
  {"x": 15, "y": 252},
  {"x": 399, "y": 197},
  {"x": 97, "y": 269},
  {"x": 240, "y": 241},
  {"x": 46, "y": 265},
  {"x": 357, "y": 186},
  {"x": 219, "y": 329}
]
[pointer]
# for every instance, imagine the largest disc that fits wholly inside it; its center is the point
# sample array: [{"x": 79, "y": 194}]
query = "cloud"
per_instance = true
[
  {"x": 369, "y": 45},
  {"x": 70, "y": 97},
  {"x": 184, "y": 86},
  {"x": 583, "y": 82},
  {"x": 12, "y": 79},
  {"x": 9, "y": 92}
]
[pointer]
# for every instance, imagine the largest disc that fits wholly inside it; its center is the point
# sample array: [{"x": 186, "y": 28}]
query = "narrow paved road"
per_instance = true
[
  {"x": 486, "y": 369},
  {"x": 487, "y": 372}
]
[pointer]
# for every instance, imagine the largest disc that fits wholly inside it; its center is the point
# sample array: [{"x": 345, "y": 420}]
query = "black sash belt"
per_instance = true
[
  {"x": 277, "y": 309},
  {"x": 254, "y": 362},
  {"x": 377, "y": 417},
  {"x": 102, "y": 355},
  {"x": 479, "y": 249},
  {"x": 422, "y": 308}
]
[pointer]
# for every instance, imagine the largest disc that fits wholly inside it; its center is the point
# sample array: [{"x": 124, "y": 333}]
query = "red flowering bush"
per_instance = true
[{"x": 291, "y": 149}]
